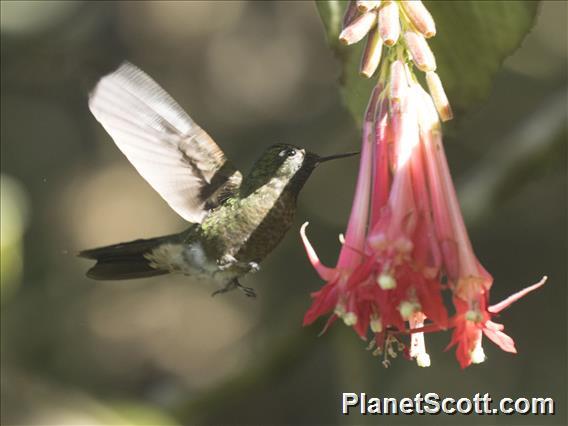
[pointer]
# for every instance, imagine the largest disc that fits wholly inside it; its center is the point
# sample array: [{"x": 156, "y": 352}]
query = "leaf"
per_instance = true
[{"x": 473, "y": 38}]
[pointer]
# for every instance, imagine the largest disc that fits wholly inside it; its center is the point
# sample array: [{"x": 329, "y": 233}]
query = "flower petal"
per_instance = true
[
  {"x": 323, "y": 271},
  {"x": 325, "y": 301},
  {"x": 506, "y": 343},
  {"x": 494, "y": 309}
]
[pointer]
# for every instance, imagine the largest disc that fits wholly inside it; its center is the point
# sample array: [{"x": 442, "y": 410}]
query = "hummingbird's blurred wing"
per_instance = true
[{"x": 175, "y": 156}]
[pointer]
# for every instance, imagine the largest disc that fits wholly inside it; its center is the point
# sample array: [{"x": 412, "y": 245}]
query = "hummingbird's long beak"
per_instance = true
[{"x": 335, "y": 157}]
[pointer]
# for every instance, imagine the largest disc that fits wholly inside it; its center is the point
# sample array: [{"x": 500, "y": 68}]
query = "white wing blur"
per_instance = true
[{"x": 175, "y": 156}]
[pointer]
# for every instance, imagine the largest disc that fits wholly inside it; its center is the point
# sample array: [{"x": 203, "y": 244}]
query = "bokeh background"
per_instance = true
[{"x": 161, "y": 351}]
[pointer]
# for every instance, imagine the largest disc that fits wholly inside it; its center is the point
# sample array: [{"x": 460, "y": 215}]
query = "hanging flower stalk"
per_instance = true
[{"x": 406, "y": 241}]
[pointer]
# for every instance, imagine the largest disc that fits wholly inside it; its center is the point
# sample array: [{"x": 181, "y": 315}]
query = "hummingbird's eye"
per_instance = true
[{"x": 288, "y": 152}]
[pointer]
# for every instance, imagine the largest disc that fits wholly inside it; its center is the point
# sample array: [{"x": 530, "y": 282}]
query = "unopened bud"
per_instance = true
[
  {"x": 372, "y": 54},
  {"x": 386, "y": 281},
  {"x": 366, "y": 5},
  {"x": 421, "y": 53},
  {"x": 439, "y": 96},
  {"x": 420, "y": 17},
  {"x": 389, "y": 23},
  {"x": 358, "y": 28},
  {"x": 350, "y": 13}
]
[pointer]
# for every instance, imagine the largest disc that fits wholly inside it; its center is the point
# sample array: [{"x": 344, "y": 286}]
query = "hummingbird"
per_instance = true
[{"x": 235, "y": 221}]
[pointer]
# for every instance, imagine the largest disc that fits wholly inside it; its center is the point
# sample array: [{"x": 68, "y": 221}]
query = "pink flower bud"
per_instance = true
[
  {"x": 421, "y": 54},
  {"x": 372, "y": 54},
  {"x": 420, "y": 17},
  {"x": 439, "y": 96},
  {"x": 350, "y": 13},
  {"x": 366, "y": 5},
  {"x": 358, "y": 28},
  {"x": 389, "y": 23},
  {"x": 398, "y": 84}
]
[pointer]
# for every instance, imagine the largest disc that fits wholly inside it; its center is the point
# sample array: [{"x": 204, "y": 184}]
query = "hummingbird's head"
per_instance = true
[{"x": 288, "y": 163}]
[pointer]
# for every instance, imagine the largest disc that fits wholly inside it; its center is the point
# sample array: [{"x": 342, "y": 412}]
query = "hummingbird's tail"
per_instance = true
[{"x": 124, "y": 261}]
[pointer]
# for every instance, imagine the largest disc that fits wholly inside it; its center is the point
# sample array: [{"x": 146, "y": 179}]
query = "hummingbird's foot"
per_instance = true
[
  {"x": 248, "y": 291},
  {"x": 228, "y": 287},
  {"x": 231, "y": 285},
  {"x": 221, "y": 290}
]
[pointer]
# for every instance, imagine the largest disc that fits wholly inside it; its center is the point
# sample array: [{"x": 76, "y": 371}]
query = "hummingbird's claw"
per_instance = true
[
  {"x": 248, "y": 291},
  {"x": 231, "y": 285}
]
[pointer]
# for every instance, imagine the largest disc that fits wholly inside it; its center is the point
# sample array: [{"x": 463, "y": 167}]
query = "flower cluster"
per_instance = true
[
  {"x": 406, "y": 242},
  {"x": 383, "y": 23}
]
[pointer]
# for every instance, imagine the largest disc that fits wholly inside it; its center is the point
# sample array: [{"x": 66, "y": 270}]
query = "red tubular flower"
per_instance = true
[
  {"x": 474, "y": 319},
  {"x": 406, "y": 237},
  {"x": 406, "y": 241},
  {"x": 351, "y": 256}
]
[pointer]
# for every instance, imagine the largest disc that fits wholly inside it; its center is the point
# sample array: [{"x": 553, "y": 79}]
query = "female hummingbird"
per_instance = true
[{"x": 235, "y": 221}]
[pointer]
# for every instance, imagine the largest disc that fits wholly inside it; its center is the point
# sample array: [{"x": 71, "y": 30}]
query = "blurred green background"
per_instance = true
[{"x": 161, "y": 351}]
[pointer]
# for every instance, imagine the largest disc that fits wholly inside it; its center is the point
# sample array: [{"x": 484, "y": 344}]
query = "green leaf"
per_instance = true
[{"x": 473, "y": 38}]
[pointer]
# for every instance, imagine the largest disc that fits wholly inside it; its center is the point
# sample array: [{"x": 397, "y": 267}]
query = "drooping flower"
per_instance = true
[
  {"x": 473, "y": 319},
  {"x": 406, "y": 241},
  {"x": 351, "y": 255}
]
